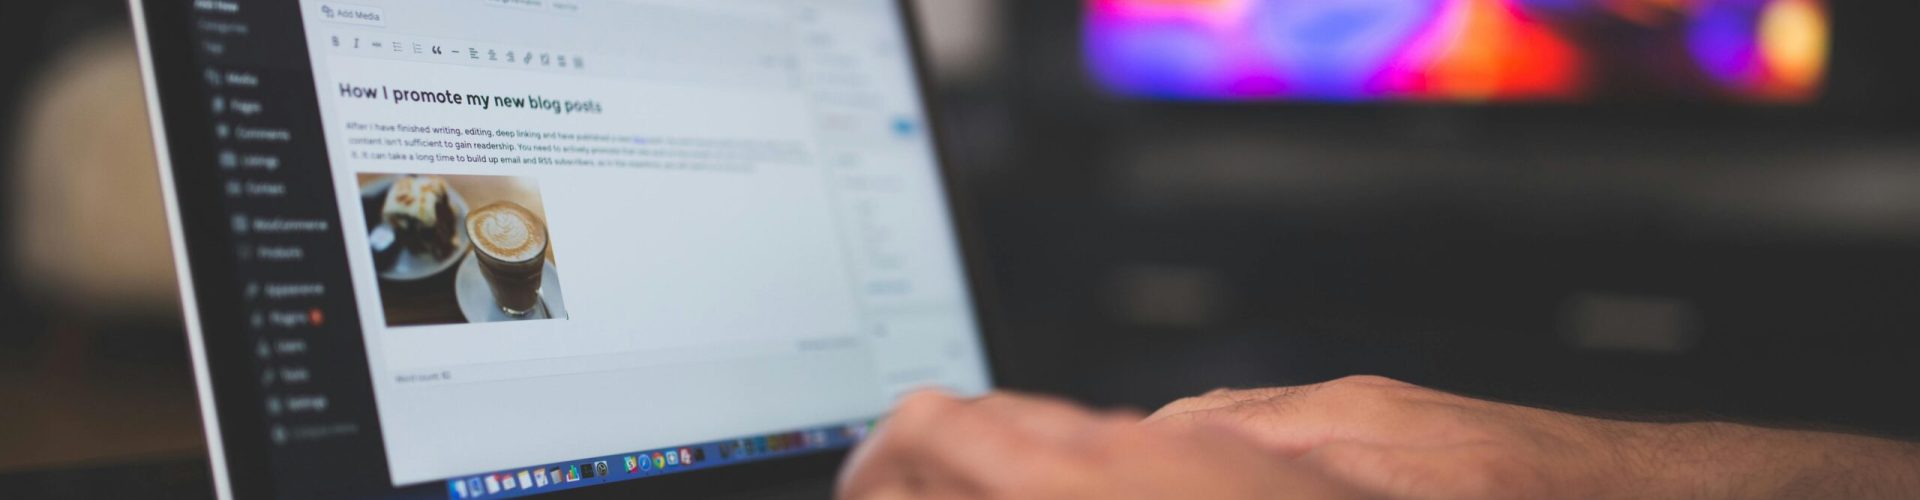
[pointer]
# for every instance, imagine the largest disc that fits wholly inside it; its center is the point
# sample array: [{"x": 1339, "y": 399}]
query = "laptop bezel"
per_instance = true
[{"x": 238, "y": 447}]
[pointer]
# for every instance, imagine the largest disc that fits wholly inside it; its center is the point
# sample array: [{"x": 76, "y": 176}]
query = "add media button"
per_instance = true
[{"x": 351, "y": 14}]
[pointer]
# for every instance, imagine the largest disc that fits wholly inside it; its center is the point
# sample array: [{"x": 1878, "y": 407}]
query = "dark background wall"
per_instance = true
[
  {"x": 1633, "y": 259},
  {"x": 1144, "y": 251}
]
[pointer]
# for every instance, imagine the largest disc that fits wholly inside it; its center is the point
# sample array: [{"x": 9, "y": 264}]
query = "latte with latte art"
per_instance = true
[
  {"x": 507, "y": 232},
  {"x": 511, "y": 245}
]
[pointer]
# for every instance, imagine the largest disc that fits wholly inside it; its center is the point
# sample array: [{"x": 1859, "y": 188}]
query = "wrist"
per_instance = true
[{"x": 1720, "y": 460}]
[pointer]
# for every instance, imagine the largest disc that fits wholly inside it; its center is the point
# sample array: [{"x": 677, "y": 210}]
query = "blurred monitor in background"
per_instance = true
[
  {"x": 1637, "y": 205},
  {"x": 92, "y": 345},
  {"x": 1769, "y": 51},
  {"x": 84, "y": 193},
  {"x": 961, "y": 37}
]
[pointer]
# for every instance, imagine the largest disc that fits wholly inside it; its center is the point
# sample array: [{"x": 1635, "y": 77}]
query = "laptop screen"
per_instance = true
[{"x": 498, "y": 248}]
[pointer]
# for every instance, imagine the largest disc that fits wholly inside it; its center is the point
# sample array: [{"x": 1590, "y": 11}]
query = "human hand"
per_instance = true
[
  {"x": 1402, "y": 441},
  {"x": 1012, "y": 446}
]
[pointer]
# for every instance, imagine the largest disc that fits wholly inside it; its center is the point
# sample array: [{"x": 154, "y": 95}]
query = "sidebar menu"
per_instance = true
[{"x": 300, "y": 319}]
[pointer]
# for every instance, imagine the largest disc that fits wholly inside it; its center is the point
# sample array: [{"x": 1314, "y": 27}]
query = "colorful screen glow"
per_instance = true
[{"x": 1771, "y": 51}]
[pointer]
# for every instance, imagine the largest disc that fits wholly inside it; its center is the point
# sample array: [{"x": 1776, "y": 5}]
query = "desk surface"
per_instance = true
[{"x": 163, "y": 478}]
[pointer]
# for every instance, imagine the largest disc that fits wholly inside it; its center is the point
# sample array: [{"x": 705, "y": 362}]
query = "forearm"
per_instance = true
[{"x": 1715, "y": 460}]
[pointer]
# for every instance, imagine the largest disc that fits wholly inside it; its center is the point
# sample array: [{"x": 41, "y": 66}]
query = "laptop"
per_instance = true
[{"x": 553, "y": 248}]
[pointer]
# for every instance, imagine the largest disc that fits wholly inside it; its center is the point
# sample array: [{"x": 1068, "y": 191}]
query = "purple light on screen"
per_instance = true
[
  {"x": 1725, "y": 40},
  {"x": 1337, "y": 48},
  {"x": 1165, "y": 60},
  {"x": 1560, "y": 7},
  {"x": 1328, "y": 49}
]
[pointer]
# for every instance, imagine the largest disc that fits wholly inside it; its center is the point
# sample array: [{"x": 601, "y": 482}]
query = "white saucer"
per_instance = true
[
  {"x": 478, "y": 305},
  {"x": 411, "y": 266}
]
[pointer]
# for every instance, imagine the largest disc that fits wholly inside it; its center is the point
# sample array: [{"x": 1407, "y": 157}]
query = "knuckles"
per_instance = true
[
  {"x": 1187, "y": 404},
  {"x": 1219, "y": 393},
  {"x": 918, "y": 410},
  {"x": 1354, "y": 381}
]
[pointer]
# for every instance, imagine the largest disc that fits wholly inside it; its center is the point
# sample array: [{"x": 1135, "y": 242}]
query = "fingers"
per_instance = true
[
  {"x": 1376, "y": 468},
  {"x": 1225, "y": 398},
  {"x": 936, "y": 445},
  {"x": 1273, "y": 417},
  {"x": 1051, "y": 421},
  {"x": 1419, "y": 472},
  {"x": 1232, "y": 456},
  {"x": 1297, "y": 419},
  {"x": 879, "y": 468},
  {"x": 916, "y": 451},
  {"x": 1012, "y": 446}
]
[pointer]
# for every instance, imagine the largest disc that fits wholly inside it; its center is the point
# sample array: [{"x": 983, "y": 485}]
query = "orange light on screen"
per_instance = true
[
  {"x": 1489, "y": 50},
  {"x": 1794, "y": 40}
]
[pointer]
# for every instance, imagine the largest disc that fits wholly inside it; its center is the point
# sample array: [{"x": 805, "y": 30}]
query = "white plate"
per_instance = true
[
  {"x": 476, "y": 297},
  {"x": 411, "y": 266}
]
